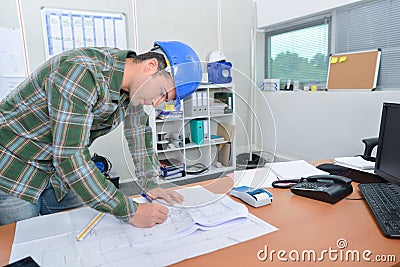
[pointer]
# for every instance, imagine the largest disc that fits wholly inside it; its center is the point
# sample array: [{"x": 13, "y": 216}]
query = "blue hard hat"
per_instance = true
[{"x": 185, "y": 65}]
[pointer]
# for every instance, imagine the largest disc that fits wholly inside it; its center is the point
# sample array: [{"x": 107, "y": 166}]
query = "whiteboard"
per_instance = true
[{"x": 65, "y": 29}]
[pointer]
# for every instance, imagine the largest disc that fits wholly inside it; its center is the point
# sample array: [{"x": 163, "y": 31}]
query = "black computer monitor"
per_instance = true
[{"x": 387, "y": 163}]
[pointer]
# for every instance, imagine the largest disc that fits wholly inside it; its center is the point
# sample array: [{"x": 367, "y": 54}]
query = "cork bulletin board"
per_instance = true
[{"x": 353, "y": 71}]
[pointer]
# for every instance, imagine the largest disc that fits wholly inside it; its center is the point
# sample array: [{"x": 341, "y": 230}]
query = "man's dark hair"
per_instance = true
[{"x": 162, "y": 64}]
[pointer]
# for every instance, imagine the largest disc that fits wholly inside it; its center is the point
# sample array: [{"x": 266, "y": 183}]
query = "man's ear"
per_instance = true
[{"x": 152, "y": 65}]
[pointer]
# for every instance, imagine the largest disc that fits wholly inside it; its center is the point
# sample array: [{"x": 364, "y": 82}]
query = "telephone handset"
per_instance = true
[
  {"x": 328, "y": 177},
  {"x": 327, "y": 188}
]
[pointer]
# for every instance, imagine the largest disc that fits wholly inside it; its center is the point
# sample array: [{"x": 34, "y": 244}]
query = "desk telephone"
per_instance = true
[{"x": 327, "y": 188}]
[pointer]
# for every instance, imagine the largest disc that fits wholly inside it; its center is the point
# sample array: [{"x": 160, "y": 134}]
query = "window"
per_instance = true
[{"x": 299, "y": 53}]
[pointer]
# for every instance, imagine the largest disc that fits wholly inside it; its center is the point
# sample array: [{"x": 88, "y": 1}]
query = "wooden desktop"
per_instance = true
[{"x": 305, "y": 226}]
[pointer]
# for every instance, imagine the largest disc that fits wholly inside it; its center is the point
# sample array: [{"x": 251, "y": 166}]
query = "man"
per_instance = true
[{"x": 48, "y": 122}]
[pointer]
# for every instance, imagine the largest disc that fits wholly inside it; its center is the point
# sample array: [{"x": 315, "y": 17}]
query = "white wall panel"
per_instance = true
[
  {"x": 323, "y": 125},
  {"x": 272, "y": 12},
  {"x": 192, "y": 22},
  {"x": 9, "y": 14}
]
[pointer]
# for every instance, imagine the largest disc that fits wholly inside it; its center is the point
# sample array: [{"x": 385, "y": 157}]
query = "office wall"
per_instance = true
[
  {"x": 236, "y": 24},
  {"x": 193, "y": 22},
  {"x": 323, "y": 125},
  {"x": 207, "y": 25},
  {"x": 9, "y": 14},
  {"x": 273, "y": 12}
]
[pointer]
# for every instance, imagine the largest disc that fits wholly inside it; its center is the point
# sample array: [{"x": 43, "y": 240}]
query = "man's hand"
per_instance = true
[
  {"x": 170, "y": 196},
  {"x": 148, "y": 215}
]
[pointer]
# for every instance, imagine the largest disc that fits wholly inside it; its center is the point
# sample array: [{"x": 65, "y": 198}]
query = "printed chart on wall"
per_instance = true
[
  {"x": 354, "y": 71},
  {"x": 12, "y": 61},
  {"x": 69, "y": 29}
]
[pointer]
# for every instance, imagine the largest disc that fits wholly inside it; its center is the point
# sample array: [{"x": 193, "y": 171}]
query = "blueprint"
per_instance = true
[{"x": 51, "y": 239}]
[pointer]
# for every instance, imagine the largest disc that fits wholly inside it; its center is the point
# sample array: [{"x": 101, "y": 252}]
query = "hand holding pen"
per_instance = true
[{"x": 149, "y": 214}]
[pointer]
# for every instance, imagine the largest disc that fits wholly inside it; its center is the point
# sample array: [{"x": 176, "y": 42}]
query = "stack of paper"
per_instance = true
[
  {"x": 263, "y": 177},
  {"x": 294, "y": 169},
  {"x": 355, "y": 162},
  {"x": 217, "y": 109}
]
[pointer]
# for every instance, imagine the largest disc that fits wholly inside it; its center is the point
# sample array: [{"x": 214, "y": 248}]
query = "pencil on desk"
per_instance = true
[{"x": 90, "y": 226}]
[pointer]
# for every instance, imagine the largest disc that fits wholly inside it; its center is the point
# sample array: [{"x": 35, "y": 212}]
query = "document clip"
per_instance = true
[{"x": 254, "y": 197}]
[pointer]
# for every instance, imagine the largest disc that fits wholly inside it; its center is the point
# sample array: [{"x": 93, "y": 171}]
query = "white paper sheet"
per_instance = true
[
  {"x": 197, "y": 196},
  {"x": 294, "y": 169},
  {"x": 256, "y": 178},
  {"x": 357, "y": 163},
  {"x": 32, "y": 229},
  {"x": 11, "y": 53},
  {"x": 12, "y": 64}
]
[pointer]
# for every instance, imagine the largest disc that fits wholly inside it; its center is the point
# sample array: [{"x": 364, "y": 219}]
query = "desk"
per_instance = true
[{"x": 304, "y": 224}]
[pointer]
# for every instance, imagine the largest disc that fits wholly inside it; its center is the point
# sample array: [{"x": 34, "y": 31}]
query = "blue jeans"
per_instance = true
[{"x": 13, "y": 209}]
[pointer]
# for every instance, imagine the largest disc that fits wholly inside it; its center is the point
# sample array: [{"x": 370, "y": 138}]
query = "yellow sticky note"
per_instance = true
[
  {"x": 342, "y": 59},
  {"x": 169, "y": 107},
  {"x": 334, "y": 60}
]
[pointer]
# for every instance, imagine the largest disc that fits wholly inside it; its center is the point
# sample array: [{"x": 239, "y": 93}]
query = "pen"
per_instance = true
[
  {"x": 90, "y": 226},
  {"x": 146, "y": 197}
]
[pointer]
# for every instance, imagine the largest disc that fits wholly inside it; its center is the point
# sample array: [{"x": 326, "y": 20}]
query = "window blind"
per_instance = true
[
  {"x": 299, "y": 53},
  {"x": 372, "y": 25}
]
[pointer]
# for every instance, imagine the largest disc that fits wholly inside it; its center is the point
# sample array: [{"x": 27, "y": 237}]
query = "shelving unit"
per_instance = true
[{"x": 207, "y": 152}]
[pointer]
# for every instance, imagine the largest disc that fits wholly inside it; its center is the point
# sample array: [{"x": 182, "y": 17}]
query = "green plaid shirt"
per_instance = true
[{"x": 48, "y": 122}]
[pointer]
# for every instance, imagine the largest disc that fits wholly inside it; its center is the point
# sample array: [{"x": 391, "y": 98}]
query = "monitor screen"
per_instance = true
[{"x": 387, "y": 163}]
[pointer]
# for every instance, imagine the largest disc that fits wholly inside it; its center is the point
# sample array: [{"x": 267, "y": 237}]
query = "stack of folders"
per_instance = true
[
  {"x": 196, "y": 104},
  {"x": 172, "y": 168},
  {"x": 217, "y": 109}
]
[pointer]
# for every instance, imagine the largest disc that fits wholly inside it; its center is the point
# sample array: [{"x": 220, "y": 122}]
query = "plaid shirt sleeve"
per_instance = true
[
  {"x": 72, "y": 94},
  {"x": 139, "y": 136}
]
